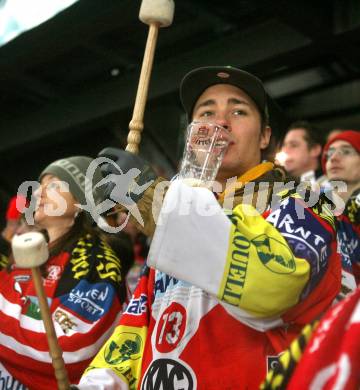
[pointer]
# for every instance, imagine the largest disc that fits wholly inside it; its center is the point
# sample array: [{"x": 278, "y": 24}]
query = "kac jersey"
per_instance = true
[{"x": 224, "y": 296}]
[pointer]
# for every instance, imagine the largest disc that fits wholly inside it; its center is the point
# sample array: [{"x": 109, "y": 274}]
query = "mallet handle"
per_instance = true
[
  {"x": 54, "y": 348},
  {"x": 136, "y": 124}
]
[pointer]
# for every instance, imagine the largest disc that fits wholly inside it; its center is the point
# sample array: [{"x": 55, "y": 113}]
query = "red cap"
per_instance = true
[
  {"x": 16, "y": 207},
  {"x": 351, "y": 136}
]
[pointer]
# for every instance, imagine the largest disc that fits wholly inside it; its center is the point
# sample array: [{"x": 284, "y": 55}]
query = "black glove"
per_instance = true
[{"x": 126, "y": 180}]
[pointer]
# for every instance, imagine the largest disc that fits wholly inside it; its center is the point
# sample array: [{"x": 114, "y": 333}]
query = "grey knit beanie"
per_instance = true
[{"x": 72, "y": 170}]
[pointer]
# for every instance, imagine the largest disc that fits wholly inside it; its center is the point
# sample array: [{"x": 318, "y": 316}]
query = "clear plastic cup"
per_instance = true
[{"x": 205, "y": 147}]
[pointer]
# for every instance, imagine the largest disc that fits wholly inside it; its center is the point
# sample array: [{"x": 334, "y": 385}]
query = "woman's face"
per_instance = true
[{"x": 54, "y": 202}]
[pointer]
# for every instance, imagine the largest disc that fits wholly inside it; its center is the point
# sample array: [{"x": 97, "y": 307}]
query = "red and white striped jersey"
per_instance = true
[{"x": 85, "y": 292}]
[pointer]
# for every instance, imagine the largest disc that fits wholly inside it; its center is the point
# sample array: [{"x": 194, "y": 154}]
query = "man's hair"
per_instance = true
[
  {"x": 264, "y": 120},
  {"x": 313, "y": 135}
]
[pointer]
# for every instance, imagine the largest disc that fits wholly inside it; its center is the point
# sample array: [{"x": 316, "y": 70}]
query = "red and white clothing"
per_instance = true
[
  {"x": 230, "y": 291},
  {"x": 326, "y": 356},
  {"x": 85, "y": 291},
  {"x": 332, "y": 357}
]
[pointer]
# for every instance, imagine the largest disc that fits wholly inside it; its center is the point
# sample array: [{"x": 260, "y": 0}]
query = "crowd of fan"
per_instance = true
[{"x": 91, "y": 274}]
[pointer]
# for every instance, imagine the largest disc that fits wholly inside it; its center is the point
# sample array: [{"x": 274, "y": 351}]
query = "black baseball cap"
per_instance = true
[{"x": 195, "y": 82}]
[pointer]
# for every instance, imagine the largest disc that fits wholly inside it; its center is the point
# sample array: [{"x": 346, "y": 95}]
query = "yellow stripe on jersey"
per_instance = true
[{"x": 279, "y": 377}]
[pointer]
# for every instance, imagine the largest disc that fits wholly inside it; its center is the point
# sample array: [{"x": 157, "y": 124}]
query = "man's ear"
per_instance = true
[
  {"x": 265, "y": 137},
  {"x": 315, "y": 151}
]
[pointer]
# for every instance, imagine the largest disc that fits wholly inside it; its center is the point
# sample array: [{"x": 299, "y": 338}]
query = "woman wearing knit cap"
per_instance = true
[
  {"x": 341, "y": 162},
  {"x": 83, "y": 281}
]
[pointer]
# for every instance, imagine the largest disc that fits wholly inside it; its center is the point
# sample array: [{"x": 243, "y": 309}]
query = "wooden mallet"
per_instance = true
[
  {"x": 30, "y": 250},
  {"x": 155, "y": 13}
]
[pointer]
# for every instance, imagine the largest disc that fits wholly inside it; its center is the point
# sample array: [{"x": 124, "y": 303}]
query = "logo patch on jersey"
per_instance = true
[
  {"x": 31, "y": 308},
  {"x": 170, "y": 375},
  {"x": 65, "y": 320},
  {"x": 163, "y": 282},
  {"x": 137, "y": 306},
  {"x": 90, "y": 301},
  {"x": 128, "y": 346},
  {"x": 30, "y": 304},
  {"x": 170, "y": 328},
  {"x": 272, "y": 362},
  {"x": 8, "y": 382},
  {"x": 54, "y": 272},
  {"x": 22, "y": 278},
  {"x": 308, "y": 240},
  {"x": 267, "y": 249}
]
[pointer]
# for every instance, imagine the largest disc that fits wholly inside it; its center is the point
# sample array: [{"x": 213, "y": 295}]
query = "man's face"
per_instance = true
[
  {"x": 299, "y": 157},
  {"x": 343, "y": 163},
  {"x": 232, "y": 108}
]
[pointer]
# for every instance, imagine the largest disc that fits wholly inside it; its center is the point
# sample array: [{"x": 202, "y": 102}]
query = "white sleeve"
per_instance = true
[{"x": 101, "y": 379}]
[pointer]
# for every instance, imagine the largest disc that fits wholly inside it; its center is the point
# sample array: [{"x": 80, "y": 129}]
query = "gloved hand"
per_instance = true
[
  {"x": 130, "y": 174},
  {"x": 131, "y": 183}
]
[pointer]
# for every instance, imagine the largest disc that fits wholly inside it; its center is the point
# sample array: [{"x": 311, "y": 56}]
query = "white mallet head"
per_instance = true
[
  {"x": 29, "y": 249},
  {"x": 157, "y": 11}
]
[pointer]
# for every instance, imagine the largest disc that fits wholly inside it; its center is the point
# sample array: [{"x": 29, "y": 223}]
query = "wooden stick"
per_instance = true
[
  {"x": 136, "y": 124},
  {"x": 54, "y": 348}
]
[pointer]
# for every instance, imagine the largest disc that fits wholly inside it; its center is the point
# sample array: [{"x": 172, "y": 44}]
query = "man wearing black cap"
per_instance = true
[
  {"x": 215, "y": 95},
  {"x": 225, "y": 292}
]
